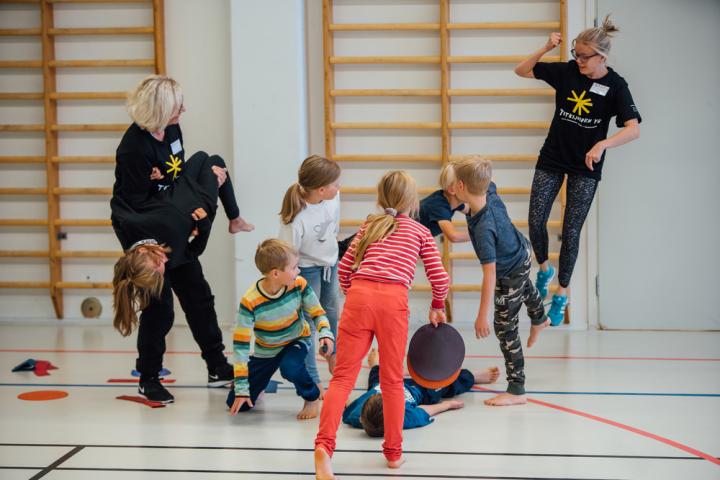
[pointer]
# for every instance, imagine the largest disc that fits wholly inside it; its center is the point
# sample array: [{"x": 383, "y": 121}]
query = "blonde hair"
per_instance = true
[
  {"x": 598, "y": 38},
  {"x": 154, "y": 102},
  {"x": 135, "y": 283},
  {"x": 273, "y": 254},
  {"x": 396, "y": 191},
  {"x": 447, "y": 176},
  {"x": 475, "y": 172},
  {"x": 314, "y": 172}
]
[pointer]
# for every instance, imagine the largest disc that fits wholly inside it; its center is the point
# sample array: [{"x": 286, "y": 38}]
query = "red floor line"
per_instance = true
[{"x": 628, "y": 428}]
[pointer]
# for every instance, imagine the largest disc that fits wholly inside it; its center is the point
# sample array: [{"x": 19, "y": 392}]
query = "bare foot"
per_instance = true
[
  {"x": 489, "y": 375},
  {"x": 309, "y": 410},
  {"x": 331, "y": 363},
  {"x": 506, "y": 399},
  {"x": 535, "y": 331},
  {"x": 240, "y": 225},
  {"x": 396, "y": 463},
  {"x": 323, "y": 465},
  {"x": 373, "y": 358}
]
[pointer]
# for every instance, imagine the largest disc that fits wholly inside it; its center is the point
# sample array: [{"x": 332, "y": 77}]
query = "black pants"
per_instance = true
[
  {"x": 196, "y": 166},
  {"x": 580, "y": 194},
  {"x": 198, "y": 303},
  {"x": 291, "y": 362}
]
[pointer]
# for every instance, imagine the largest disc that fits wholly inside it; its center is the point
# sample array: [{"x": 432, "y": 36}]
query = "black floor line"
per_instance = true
[{"x": 57, "y": 463}]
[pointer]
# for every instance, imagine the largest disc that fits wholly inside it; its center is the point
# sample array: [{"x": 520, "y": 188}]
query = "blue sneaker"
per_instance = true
[
  {"x": 557, "y": 309},
  {"x": 543, "y": 280}
]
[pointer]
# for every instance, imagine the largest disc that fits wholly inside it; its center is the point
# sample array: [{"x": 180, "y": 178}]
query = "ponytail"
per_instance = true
[
  {"x": 598, "y": 38},
  {"x": 293, "y": 203},
  {"x": 315, "y": 172},
  {"x": 377, "y": 227}
]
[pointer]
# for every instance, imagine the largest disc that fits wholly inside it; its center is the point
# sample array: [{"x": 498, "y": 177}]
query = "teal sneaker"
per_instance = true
[
  {"x": 543, "y": 280},
  {"x": 557, "y": 309}
]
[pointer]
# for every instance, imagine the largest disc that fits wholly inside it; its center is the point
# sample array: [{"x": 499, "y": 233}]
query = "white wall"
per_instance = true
[
  {"x": 659, "y": 223},
  {"x": 197, "y": 53}
]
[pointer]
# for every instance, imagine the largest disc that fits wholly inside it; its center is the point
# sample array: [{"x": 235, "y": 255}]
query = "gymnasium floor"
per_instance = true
[{"x": 605, "y": 405}]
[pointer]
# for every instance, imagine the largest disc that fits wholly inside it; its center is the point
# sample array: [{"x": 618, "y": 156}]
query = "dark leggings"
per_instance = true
[
  {"x": 580, "y": 194},
  {"x": 196, "y": 167}
]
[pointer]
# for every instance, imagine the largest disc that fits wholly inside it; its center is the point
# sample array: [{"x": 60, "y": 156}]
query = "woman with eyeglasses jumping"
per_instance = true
[{"x": 588, "y": 94}]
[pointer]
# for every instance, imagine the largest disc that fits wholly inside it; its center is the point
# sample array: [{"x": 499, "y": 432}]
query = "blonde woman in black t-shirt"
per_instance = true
[{"x": 588, "y": 94}]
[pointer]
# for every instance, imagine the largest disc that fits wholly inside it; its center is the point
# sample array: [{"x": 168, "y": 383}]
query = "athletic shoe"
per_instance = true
[
  {"x": 221, "y": 376},
  {"x": 557, "y": 309},
  {"x": 543, "y": 280},
  {"x": 151, "y": 389}
]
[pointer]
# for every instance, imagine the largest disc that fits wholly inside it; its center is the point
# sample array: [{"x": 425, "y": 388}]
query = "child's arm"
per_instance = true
[
  {"x": 312, "y": 307},
  {"x": 197, "y": 245},
  {"x": 443, "y": 406},
  {"x": 487, "y": 295},
  {"x": 346, "y": 262},
  {"x": 434, "y": 271},
  {"x": 241, "y": 347},
  {"x": 451, "y": 233}
]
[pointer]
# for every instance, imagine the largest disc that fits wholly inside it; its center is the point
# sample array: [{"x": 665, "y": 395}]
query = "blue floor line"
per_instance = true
[{"x": 529, "y": 392}]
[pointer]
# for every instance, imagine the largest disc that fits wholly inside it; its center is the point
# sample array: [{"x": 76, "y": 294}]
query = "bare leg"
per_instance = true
[
  {"x": 323, "y": 465},
  {"x": 373, "y": 358},
  {"x": 309, "y": 410},
  {"x": 331, "y": 363},
  {"x": 506, "y": 399},
  {"x": 489, "y": 375},
  {"x": 535, "y": 331}
]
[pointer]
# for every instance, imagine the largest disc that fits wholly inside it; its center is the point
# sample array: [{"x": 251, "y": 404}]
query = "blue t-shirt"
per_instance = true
[
  {"x": 414, "y": 415},
  {"x": 495, "y": 238},
  {"x": 435, "y": 208}
]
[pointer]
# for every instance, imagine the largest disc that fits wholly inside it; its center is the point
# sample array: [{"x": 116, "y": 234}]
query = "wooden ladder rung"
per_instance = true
[
  {"x": 107, "y": 127},
  {"x": 23, "y": 191},
  {"x": 502, "y": 157},
  {"x": 23, "y": 222},
  {"x": 428, "y": 190},
  {"x": 498, "y": 125},
  {"x": 83, "y": 222},
  {"x": 82, "y": 159},
  {"x": 385, "y": 158},
  {"x": 396, "y": 60},
  {"x": 88, "y": 95},
  {"x": 386, "y": 92},
  {"x": 25, "y": 284},
  {"x": 23, "y": 253},
  {"x": 21, "y": 159},
  {"x": 99, "y": 1},
  {"x": 497, "y": 58},
  {"x": 501, "y": 92},
  {"x": 21, "y": 64},
  {"x": 22, "y": 128},
  {"x": 386, "y": 125},
  {"x": 84, "y": 285},
  {"x": 88, "y": 253},
  {"x": 102, "y": 31},
  {"x": 21, "y": 96},
  {"x": 19, "y": 32},
  {"x": 505, "y": 26},
  {"x": 101, "y": 63},
  {"x": 363, "y": 27},
  {"x": 81, "y": 191},
  {"x": 19, "y": 1}
]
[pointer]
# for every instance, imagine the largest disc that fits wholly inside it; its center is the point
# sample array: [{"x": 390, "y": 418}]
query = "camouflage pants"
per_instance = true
[{"x": 510, "y": 294}]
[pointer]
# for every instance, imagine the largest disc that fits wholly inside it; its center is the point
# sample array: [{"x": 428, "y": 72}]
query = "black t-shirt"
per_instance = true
[
  {"x": 435, "y": 208},
  {"x": 583, "y": 109},
  {"x": 135, "y": 158}
]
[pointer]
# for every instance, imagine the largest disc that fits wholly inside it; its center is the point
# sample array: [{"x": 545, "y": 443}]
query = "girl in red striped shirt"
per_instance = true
[{"x": 375, "y": 274}]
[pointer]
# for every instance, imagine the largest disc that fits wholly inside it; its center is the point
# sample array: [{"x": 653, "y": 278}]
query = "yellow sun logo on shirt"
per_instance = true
[
  {"x": 174, "y": 165},
  {"x": 581, "y": 103}
]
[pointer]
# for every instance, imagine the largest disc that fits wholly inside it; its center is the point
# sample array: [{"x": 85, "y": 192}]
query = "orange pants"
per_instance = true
[{"x": 371, "y": 309}]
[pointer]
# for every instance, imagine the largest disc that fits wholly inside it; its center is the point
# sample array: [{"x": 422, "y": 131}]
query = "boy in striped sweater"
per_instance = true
[{"x": 272, "y": 308}]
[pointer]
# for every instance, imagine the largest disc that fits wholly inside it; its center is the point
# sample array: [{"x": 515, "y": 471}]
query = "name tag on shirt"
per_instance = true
[
  {"x": 599, "y": 89},
  {"x": 176, "y": 146}
]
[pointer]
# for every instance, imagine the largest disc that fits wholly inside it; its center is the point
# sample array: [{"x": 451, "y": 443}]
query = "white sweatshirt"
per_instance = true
[{"x": 314, "y": 233}]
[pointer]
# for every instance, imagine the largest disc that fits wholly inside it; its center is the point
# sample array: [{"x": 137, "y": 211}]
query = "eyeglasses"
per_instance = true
[{"x": 582, "y": 58}]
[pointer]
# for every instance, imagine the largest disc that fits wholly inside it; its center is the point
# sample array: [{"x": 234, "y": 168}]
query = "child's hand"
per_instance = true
[
  {"x": 482, "y": 329},
  {"x": 199, "y": 214},
  {"x": 156, "y": 175},
  {"x": 553, "y": 41},
  {"x": 437, "y": 317},
  {"x": 326, "y": 348},
  {"x": 220, "y": 173},
  {"x": 238, "y": 403}
]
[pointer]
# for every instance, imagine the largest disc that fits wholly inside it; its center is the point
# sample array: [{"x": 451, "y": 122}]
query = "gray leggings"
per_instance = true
[{"x": 580, "y": 194}]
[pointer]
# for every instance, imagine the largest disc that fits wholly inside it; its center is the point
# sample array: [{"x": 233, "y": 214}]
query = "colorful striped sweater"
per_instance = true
[{"x": 277, "y": 322}]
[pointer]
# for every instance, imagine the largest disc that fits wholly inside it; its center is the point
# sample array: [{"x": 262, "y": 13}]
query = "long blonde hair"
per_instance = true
[
  {"x": 315, "y": 172},
  {"x": 135, "y": 282},
  {"x": 598, "y": 38},
  {"x": 396, "y": 194},
  {"x": 154, "y": 101}
]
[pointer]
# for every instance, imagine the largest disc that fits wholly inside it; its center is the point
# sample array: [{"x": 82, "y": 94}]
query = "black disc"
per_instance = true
[{"x": 436, "y": 353}]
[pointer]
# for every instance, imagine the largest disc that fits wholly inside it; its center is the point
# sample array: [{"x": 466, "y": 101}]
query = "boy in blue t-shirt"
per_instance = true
[
  {"x": 421, "y": 404},
  {"x": 505, "y": 257}
]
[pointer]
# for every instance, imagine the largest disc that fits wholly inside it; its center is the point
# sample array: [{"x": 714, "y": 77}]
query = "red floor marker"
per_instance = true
[
  {"x": 135, "y": 380},
  {"x": 43, "y": 395},
  {"x": 142, "y": 400}
]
